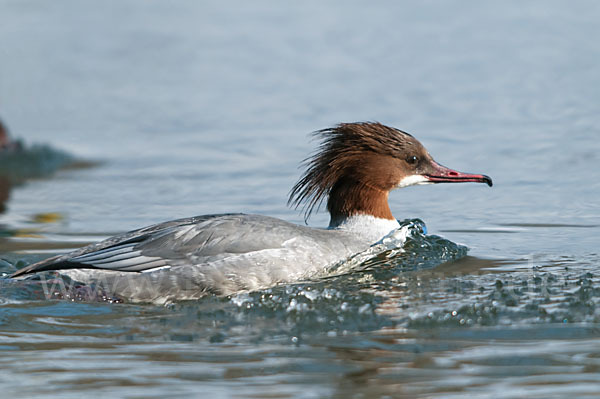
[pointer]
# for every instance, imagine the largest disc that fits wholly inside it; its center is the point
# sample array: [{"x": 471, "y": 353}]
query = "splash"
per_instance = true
[
  {"x": 349, "y": 297},
  {"x": 405, "y": 249}
]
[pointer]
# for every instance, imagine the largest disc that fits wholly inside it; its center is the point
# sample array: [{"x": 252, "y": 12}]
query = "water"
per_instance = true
[{"x": 189, "y": 108}]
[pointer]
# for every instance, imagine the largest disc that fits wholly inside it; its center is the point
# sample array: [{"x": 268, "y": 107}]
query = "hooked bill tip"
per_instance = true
[{"x": 488, "y": 180}]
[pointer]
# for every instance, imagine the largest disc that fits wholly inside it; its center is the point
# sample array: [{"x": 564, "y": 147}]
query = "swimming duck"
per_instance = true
[{"x": 354, "y": 170}]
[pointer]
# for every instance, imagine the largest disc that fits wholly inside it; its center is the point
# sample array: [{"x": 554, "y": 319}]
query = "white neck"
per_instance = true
[{"x": 368, "y": 227}]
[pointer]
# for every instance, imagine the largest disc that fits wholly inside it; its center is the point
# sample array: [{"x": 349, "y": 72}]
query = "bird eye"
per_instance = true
[{"x": 412, "y": 159}]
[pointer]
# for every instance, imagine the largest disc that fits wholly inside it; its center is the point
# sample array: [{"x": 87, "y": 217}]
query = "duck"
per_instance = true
[
  {"x": 354, "y": 169},
  {"x": 6, "y": 143}
]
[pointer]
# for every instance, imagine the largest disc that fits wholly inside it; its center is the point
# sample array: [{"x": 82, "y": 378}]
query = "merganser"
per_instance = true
[
  {"x": 355, "y": 168},
  {"x": 5, "y": 141}
]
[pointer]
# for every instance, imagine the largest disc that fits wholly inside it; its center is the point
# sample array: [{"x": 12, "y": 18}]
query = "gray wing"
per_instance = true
[{"x": 175, "y": 243}]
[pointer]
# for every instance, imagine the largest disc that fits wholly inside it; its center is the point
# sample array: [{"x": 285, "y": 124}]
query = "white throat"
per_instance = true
[
  {"x": 367, "y": 227},
  {"x": 413, "y": 180}
]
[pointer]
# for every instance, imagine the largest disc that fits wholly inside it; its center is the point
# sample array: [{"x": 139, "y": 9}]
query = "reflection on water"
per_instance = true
[{"x": 5, "y": 187}]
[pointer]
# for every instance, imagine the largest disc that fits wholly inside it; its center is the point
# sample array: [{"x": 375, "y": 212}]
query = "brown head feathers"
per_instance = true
[{"x": 355, "y": 167}]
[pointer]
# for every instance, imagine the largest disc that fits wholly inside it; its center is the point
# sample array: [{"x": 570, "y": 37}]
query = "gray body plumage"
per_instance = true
[{"x": 188, "y": 258}]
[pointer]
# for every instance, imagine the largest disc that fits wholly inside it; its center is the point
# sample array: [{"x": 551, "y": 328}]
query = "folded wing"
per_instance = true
[{"x": 163, "y": 245}]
